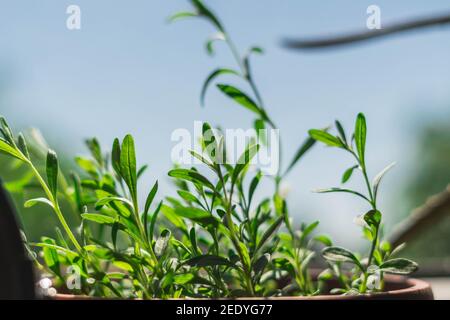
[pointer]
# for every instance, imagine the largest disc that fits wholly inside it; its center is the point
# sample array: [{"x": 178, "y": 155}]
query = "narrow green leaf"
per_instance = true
[
  {"x": 150, "y": 198},
  {"x": 181, "y": 15},
  {"x": 399, "y": 266},
  {"x": 326, "y": 240},
  {"x": 269, "y": 232},
  {"x": 183, "y": 278},
  {"x": 306, "y": 145},
  {"x": 154, "y": 217},
  {"x": 98, "y": 218},
  {"x": 96, "y": 151},
  {"x": 338, "y": 254},
  {"x": 341, "y": 131},
  {"x": 348, "y": 174},
  {"x": 7, "y": 149},
  {"x": 23, "y": 146},
  {"x": 326, "y": 138},
  {"x": 128, "y": 165},
  {"x": 141, "y": 171},
  {"x": 253, "y": 186},
  {"x": 115, "y": 157},
  {"x": 209, "y": 261},
  {"x": 308, "y": 230},
  {"x": 200, "y": 216},
  {"x": 261, "y": 263},
  {"x": 192, "y": 176},
  {"x": 244, "y": 160},
  {"x": 360, "y": 137},
  {"x": 51, "y": 256},
  {"x": 241, "y": 98},
  {"x": 107, "y": 200},
  {"x": 207, "y": 13},
  {"x": 219, "y": 36},
  {"x": 33, "y": 202},
  {"x": 52, "y": 172},
  {"x": 330, "y": 190},
  {"x": 193, "y": 239},
  {"x": 211, "y": 77}
]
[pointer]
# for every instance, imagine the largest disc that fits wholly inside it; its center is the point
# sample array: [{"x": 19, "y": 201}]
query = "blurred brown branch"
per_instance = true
[
  {"x": 434, "y": 209},
  {"x": 355, "y": 37}
]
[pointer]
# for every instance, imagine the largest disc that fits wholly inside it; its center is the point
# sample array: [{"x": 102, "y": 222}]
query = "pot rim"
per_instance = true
[{"x": 415, "y": 289}]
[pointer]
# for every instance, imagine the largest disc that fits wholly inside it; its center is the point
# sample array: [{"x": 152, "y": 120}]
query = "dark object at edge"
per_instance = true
[
  {"x": 355, "y": 37},
  {"x": 16, "y": 271}
]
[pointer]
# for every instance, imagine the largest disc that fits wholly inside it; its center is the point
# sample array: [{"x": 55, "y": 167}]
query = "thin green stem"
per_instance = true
[{"x": 56, "y": 208}]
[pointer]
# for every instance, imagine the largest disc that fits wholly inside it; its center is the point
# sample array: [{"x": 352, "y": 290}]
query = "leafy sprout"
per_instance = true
[{"x": 379, "y": 258}]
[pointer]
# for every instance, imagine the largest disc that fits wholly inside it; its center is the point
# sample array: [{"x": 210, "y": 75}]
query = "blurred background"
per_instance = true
[{"x": 128, "y": 71}]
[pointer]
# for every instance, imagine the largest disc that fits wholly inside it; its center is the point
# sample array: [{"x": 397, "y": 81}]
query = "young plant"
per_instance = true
[
  {"x": 114, "y": 252},
  {"x": 367, "y": 275},
  {"x": 254, "y": 103},
  {"x": 226, "y": 243}
]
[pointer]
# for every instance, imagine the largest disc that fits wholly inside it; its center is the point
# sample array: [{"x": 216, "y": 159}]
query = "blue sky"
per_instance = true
[{"x": 128, "y": 71}]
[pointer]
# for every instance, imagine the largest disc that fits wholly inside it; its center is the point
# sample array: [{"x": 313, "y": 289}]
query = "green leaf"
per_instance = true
[
  {"x": 324, "y": 240},
  {"x": 33, "y": 202},
  {"x": 338, "y": 254},
  {"x": 183, "y": 278},
  {"x": 51, "y": 256},
  {"x": 154, "y": 217},
  {"x": 253, "y": 185},
  {"x": 141, "y": 171},
  {"x": 261, "y": 263},
  {"x": 244, "y": 160},
  {"x": 162, "y": 242},
  {"x": 209, "y": 261},
  {"x": 326, "y": 138},
  {"x": 7, "y": 132},
  {"x": 193, "y": 239},
  {"x": 87, "y": 165},
  {"x": 7, "y": 149},
  {"x": 176, "y": 220},
  {"x": 270, "y": 232},
  {"x": 379, "y": 177},
  {"x": 98, "y": 218},
  {"x": 115, "y": 157},
  {"x": 308, "y": 230},
  {"x": 150, "y": 198},
  {"x": 360, "y": 137},
  {"x": 211, "y": 77},
  {"x": 241, "y": 98},
  {"x": 330, "y": 190},
  {"x": 306, "y": 145},
  {"x": 200, "y": 216},
  {"x": 348, "y": 174},
  {"x": 96, "y": 151},
  {"x": 219, "y": 36},
  {"x": 23, "y": 146},
  {"x": 192, "y": 176},
  {"x": 128, "y": 166},
  {"x": 181, "y": 15},
  {"x": 341, "y": 131},
  {"x": 373, "y": 218},
  {"x": 399, "y": 266},
  {"x": 107, "y": 200},
  {"x": 52, "y": 172},
  {"x": 207, "y": 13}
]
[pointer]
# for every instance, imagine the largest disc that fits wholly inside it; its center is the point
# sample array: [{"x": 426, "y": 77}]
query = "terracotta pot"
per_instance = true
[{"x": 397, "y": 288}]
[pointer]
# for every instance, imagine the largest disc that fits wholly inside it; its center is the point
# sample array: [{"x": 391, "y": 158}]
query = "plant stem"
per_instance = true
[{"x": 56, "y": 208}]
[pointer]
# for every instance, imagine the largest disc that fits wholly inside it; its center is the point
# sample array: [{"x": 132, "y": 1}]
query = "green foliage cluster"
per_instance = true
[{"x": 214, "y": 239}]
